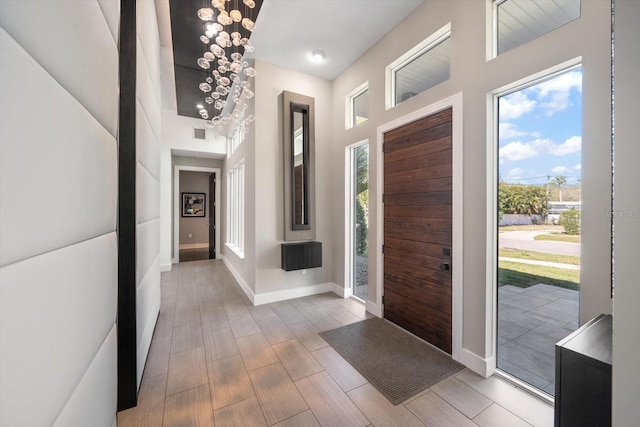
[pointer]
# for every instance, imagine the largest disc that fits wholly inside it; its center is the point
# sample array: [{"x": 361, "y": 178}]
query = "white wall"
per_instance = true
[
  {"x": 475, "y": 77},
  {"x": 148, "y": 132},
  {"x": 242, "y": 268},
  {"x": 264, "y": 179},
  {"x": 626, "y": 316},
  {"x": 58, "y": 200}
]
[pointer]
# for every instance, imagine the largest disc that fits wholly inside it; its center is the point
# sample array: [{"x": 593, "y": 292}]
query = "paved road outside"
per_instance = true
[{"x": 524, "y": 240}]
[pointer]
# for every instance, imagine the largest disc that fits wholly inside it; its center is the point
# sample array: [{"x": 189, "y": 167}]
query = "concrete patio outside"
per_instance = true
[{"x": 530, "y": 321}]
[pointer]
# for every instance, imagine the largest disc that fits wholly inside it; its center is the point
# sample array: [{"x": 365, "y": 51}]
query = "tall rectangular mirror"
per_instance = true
[
  {"x": 299, "y": 168},
  {"x": 300, "y": 162}
]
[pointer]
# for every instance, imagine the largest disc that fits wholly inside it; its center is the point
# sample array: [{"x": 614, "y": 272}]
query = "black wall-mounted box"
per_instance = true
[
  {"x": 301, "y": 255},
  {"x": 583, "y": 375}
]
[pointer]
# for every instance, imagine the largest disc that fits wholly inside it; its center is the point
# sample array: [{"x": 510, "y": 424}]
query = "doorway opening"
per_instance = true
[
  {"x": 358, "y": 197},
  {"x": 538, "y": 228},
  {"x": 197, "y": 216},
  {"x": 195, "y": 234}
]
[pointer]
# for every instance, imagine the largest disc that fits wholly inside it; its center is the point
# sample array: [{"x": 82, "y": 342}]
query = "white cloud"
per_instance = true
[
  {"x": 578, "y": 166},
  {"x": 515, "y": 173},
  {"x": 570, "y": 146},
  {"x": 559, "y": 101},
  {"x": 515, "y": 105},
  {"x": 517, "y": 151},
  {"x": 560, "y": 170},
  {"x": 562, "y": 83},
  {"x": 508, "y": 130},
  {"x": 556, "y": 92}
]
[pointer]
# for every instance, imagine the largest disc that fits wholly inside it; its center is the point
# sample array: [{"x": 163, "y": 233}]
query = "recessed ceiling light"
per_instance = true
[
  {"x": 318, "y": 55},
  {"x": 199, "y": 106}
]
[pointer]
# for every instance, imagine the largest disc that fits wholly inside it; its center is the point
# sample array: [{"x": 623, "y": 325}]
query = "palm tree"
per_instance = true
[
  {"x": 362, "y": 169},
  {"x": 560, "y": 180},
  {"x": 362, "y": 197}
]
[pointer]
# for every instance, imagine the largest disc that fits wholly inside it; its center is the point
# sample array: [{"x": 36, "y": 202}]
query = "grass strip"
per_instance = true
[
  {"x": 538, "y": 256},
  {"x": 558, "y": 238},
  {"x": 540, "y": 227},
  {"x": 525, "y": 275}
]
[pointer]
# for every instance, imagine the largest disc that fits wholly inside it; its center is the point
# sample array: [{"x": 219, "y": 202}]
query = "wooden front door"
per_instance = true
[{"x": 417, "y": 227}]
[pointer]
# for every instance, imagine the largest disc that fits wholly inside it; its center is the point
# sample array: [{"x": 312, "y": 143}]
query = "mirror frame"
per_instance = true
[{"x": 292, "y": 102}]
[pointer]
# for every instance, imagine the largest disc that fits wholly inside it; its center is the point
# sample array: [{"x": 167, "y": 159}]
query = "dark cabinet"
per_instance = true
[
  {"x": 301, "y": 255},
  {"x": 583, "y": 376}
]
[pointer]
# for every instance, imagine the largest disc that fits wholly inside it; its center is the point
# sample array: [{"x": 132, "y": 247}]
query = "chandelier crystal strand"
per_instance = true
[{"x": 226, "y": 77}]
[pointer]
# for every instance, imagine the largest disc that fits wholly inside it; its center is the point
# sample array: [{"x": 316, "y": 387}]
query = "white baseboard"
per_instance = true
[
  {"x": 194, "y": 246},
  {"x": 374, "y": 308},
  {"x": 340, "y": 291},
  {"x": 287, "y": 294},
  {"x": 477, "y": 364},
  {"x": 166, "y": 267},
  {"x": 243, "y": 285}
]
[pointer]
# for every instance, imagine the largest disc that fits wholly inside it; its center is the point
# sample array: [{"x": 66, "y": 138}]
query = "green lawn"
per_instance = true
[
  {"x": 558, "y": 238},
  {"x": 539, "y": 256},
  {"x": 525, "y": 275}
]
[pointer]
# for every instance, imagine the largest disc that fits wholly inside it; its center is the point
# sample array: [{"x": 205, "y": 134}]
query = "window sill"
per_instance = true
[{"x": 236, "y": 250}]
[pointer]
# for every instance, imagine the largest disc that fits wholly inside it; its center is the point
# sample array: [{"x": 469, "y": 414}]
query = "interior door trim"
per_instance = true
[
  {"x": 176, "y": 207},
  {"x": 376, "y": 307}
]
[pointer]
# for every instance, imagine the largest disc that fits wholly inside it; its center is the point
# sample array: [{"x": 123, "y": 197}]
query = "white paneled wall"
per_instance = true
[
  {"x": 148, "y": 131},
  {"x": 58, "y": 194}
]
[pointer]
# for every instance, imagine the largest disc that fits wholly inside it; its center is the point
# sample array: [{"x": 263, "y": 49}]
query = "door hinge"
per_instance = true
[
  {"x": 382, "y": 248},
  {"x": 382, "y": 197},
  {"x": 383, "y": 147},
  {"x": 383, "y": 299}
]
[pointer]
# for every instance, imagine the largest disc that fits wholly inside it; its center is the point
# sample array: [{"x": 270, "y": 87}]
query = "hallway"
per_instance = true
[{"x": 217, "y": 360}]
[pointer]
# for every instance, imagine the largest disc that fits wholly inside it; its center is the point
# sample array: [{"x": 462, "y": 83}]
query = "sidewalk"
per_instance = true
[{"x": 544, "y": 263}]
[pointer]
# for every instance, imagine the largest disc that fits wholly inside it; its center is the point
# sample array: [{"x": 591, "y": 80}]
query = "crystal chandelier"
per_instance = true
[{"x": 225, "y": 70}]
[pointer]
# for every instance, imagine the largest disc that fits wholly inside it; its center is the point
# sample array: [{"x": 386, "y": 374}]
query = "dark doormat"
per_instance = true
[{"x": 398, "y": 364}]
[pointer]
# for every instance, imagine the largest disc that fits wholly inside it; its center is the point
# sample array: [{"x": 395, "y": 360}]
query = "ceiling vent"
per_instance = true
[{"x": 199, "y": 133}]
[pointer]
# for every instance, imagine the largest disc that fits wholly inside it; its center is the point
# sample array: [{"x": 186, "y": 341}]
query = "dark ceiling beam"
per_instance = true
[{"x": 186, "y": 29}]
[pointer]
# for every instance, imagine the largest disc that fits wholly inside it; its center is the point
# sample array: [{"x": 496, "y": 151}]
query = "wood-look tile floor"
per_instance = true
[{"x": 216, "y": 360}]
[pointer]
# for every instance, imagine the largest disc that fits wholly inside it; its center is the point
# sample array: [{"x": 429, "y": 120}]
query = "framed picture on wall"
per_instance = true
[{"x": 193, "y": 204}]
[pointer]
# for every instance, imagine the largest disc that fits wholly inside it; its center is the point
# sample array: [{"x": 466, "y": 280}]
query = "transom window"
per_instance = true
[
  {"x": 358, "y": 106},
  {"x": 423, "y": 67},
  {"x": 520, "y": 21}
]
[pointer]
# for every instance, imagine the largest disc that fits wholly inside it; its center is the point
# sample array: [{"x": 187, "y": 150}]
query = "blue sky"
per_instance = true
[{"x": 540, "y": 131}]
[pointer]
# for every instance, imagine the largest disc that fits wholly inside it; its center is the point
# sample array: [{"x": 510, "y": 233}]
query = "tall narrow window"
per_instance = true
[
  {"x": 236, "y": 139},
  {"x": 235, "y": 209},
  {"x": 520, "y": 21},
  {"x": 538, "y": 211},
  {"x": 423, "y": 67},
  {"x": 358, "y": 157}
]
